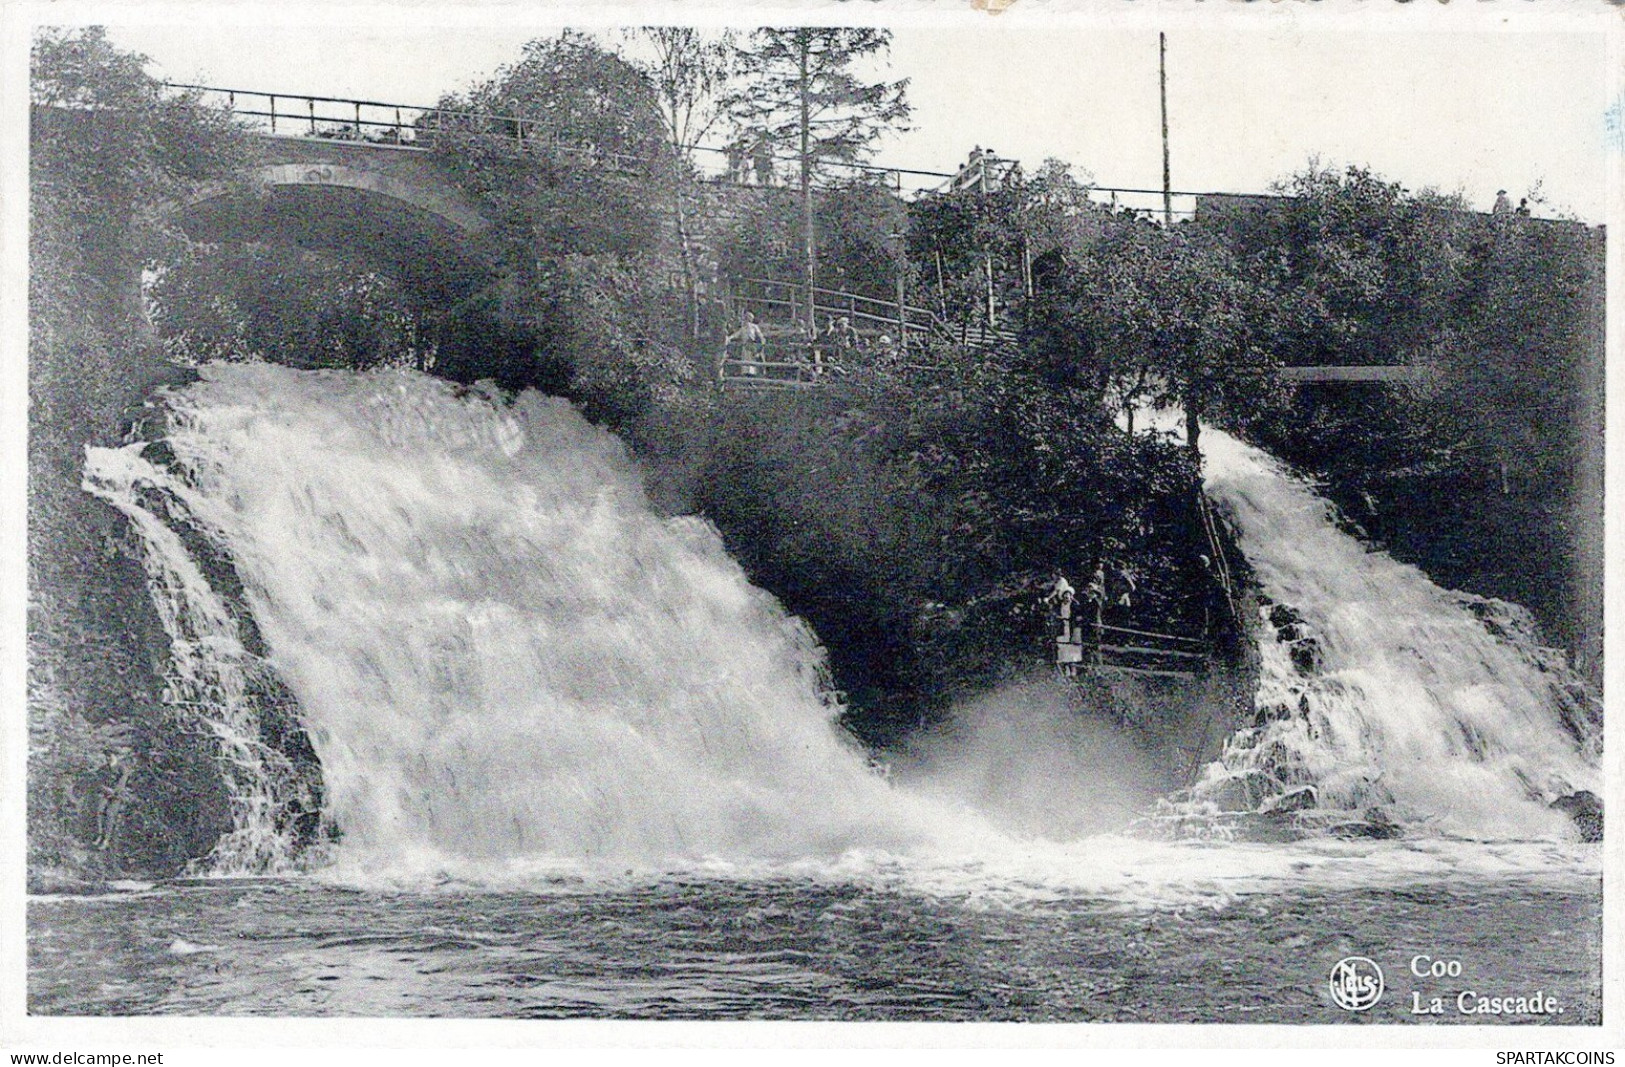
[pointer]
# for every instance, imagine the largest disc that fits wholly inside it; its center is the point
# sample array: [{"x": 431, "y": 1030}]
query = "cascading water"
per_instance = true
[
  {"x": 1380, "y": 690},
  {"x": 498, "y": 650},
  {"x": 213, "y": 681},
  {"x": 500, "y": 654}
]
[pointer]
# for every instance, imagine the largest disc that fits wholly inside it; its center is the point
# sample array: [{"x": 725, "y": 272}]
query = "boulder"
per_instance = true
[
  {"x": 1301, "y": 799},
  {"x": 1376, "y": 826},
  {"x": 1585, "y": 808}
]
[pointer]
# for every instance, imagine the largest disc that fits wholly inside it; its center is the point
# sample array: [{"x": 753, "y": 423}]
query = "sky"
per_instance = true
[{"x": 1521, "y": 107}]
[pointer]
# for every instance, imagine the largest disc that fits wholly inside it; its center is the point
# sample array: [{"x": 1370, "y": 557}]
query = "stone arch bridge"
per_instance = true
[
  {"x": 385, "y": 202},
  {"x": 389, "y": 202}
]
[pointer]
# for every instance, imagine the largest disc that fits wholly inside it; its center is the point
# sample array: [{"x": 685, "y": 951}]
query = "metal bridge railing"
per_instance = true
[{"x": 402, "y": 125}]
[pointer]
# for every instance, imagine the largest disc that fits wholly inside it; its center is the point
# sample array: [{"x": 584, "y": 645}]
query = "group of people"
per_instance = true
[
  {"x": 751, "y": 160},
  {"x": 1074, "y": 625},
  {"x": 814, "y": 352},
  {"x": 1503, "y": 206},
  {"x": 974, "y": 174}
]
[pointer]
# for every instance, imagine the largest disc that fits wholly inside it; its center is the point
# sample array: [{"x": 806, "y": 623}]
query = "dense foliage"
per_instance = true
[
  {"x": 1489, "y": 475},
  {"x": 299, "y": 307},
  {"x": 857, "y": 225},
  {"x": 916, "y": 520},
  {"x": 562, "y": 151},
  {"x": 802, "y": 97},
  {"x": 108, "y": 150},
  {"x": 1147, "y": 317}
]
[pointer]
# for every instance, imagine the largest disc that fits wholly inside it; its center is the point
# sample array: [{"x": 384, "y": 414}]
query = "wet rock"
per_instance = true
[
  {"x": 1302, "y": 646},
  {"x": 1585, "y": 808},
  {"x": 1376, "y": 826},
  {"x": 1305, "y": 655},
  {"x": 1286, "y": 621},
  {"x": 1238, "y": 794},
  {"x": 1269, "y": 713},
  {"x": 1303, "y": 798}
]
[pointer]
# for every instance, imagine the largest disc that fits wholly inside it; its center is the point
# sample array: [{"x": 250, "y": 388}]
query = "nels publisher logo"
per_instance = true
[{"x": 1356, "y": 983}]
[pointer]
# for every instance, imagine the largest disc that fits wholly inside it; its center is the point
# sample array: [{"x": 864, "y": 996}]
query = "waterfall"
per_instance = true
[
  {"x": 212, "y": 682},
  {"x": 499, "y": 653},
  {"x": 1379, "y": 689},
  {"x": 497, "y": 648}
]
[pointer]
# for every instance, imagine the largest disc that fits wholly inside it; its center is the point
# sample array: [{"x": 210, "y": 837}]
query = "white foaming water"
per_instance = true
[
  {"x": 1437, "y": 706},
  {"x": 498, "y": 650},
  {"x": 1034, "y": 764},
  {"x": 209, "y": 679},
  {"x": 511, "y": 669}
]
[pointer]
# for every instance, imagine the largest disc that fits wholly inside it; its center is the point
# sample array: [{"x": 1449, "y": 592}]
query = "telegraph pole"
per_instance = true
[{"x": 1167, "y": 179}]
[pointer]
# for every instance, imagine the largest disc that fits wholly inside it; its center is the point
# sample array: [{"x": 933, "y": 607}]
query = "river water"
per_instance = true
[
  {"x": 809, "y": 948},
  {"x": 572, "y": 763}
]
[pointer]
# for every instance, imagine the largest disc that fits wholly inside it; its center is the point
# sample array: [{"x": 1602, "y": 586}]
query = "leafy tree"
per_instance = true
[
  {"x": 1366, "y": 268},
  {"x": 689, "y": 71},
  {"x": 563, "y": 149},
  {"x": 800, "y": 94},
  {"x": 975, "y": 243},
  {"x": 110, "y": 148},
  {"x": 551, "y": 146},
  {"x": 856, "y": 224},
  {"x": 1160, "y": 317},
  {"x": 293, "y": 306}
]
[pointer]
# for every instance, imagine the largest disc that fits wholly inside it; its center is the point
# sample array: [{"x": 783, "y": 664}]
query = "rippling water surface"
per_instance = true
[
  {"x": 531, "y": 697},
  {"x": 802, "y": 948}
]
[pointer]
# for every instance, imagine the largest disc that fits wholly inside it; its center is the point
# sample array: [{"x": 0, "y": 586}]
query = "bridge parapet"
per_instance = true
[{"x": 379, "y": 124}]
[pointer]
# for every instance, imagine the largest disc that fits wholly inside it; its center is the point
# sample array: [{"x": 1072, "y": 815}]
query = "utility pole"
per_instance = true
[
  {"x": 902, "y": 269},
  {"x": 1167, "y": 178},
  {"x": 804, "y": 46},
  {"x": 899, "y": 242},
  {"x": 988, "y": 252}
]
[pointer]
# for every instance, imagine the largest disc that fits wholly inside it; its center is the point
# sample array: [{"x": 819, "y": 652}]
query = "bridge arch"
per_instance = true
[{"x": 386, "y": 204}]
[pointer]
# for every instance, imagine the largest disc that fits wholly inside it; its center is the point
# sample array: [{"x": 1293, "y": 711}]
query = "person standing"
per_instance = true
[
  {"x": 846, "y": 338},
  {"x": 751, "y": 343},
  {"x": 113, "y": 792},
  {"x": 1063, "y": 627},
  {"x": 761, "y": 159},
  {"x": 1503, "y": 206}
]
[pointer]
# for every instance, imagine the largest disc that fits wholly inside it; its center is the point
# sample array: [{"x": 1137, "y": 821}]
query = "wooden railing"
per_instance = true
[
  {"x": 791, "y": 361},
  {"x": 765, "y": 373},
  {"x": 773, "y": 300},
  {"x": 1144, "y": 652},
  {"x": 910, "y": 337}
]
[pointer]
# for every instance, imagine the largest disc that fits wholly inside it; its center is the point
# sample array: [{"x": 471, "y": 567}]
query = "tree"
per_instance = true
[
  {"x": 1162, "y": 317},
  {"x": 294, "y": 306},
  {"x": 1367, "y": 267},
  {"x": 543, "y": 144},
  {"x": 547, "y": 145},
  {"x": 109, "y": 148},
  {"x": 984, "y": 242},
  {"x": 800, "y": 93},
  {"x": 689, "y": 71}
]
